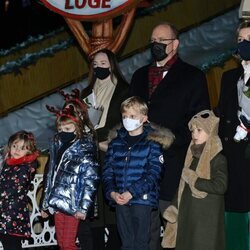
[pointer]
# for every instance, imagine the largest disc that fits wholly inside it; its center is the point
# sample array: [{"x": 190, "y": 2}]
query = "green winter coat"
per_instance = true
[{"x": 201, "y": 221}]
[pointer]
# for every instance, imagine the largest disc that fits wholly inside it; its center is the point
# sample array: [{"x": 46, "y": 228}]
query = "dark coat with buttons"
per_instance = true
[
  {"x": 237, "y": 153},
  {"x": 179, "y": 96}
]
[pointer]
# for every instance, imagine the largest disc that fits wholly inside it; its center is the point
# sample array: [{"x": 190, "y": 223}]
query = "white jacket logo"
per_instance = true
[{"x": 161, "y": 159}]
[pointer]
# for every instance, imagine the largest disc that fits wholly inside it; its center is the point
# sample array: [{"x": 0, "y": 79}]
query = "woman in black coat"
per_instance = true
[
  {"x": 110, "y": 89},
  {"x": 232, "y": 108}
]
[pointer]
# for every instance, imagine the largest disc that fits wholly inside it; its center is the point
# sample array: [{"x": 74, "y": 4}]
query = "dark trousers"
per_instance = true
[
  {"x": 133, "y": 223},
  {"x": 85, "y": 235},
  {"x": 156, "y": 222},
  {"x": 11, "y": 242},
  {"x": 93, "y": 238}
]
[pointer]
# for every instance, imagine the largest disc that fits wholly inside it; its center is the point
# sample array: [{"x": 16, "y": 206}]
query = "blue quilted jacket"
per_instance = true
[
  {"x": 136, "y": 169},
  {"x": 70, "y": 187}
]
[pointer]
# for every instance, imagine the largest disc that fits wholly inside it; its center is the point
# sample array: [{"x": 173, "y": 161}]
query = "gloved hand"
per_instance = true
[
  {"x": 189, "y": 176},
  {"x": 171, "y": 214}
]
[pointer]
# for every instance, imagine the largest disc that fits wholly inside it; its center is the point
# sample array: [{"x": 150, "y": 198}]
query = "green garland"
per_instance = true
[
  {"x": 31, "y": 40},
  {"x": 31, "y": 58},
  {"x": 219, "y": 60}
]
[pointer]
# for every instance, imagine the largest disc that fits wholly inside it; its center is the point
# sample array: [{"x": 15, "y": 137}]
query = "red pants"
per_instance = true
[{"x": 66, "y": 231}]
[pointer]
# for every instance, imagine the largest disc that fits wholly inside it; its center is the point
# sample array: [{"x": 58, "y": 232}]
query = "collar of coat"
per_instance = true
[{"x": 153, "y": 132}]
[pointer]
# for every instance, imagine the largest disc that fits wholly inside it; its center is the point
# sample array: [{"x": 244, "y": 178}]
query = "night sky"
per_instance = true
[{"x": 22, "y": 18}]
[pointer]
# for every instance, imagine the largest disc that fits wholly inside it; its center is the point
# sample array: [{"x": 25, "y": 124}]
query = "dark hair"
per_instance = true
[
  {"x": 115, "y": 71},
  {"x": 27, "y": 137}
]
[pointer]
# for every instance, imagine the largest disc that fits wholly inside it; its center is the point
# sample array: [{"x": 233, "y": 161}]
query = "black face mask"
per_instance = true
[
  {"x": 66, "y": 136},
  {"x": 101, "y": 73},
  {"x": 158, "y": 51},
  {"x": 244, "y": 50}
]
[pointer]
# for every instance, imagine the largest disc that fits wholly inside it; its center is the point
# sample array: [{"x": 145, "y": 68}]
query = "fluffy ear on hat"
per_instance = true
[{"x": 206, "y": 120}]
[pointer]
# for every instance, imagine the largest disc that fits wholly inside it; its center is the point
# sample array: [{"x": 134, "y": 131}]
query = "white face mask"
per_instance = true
[{"x": 131, "y": 124}]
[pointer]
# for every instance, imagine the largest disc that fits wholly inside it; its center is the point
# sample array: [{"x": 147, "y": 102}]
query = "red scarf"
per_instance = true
[
  {"x": 155, "y": 74},
  {"x": 24, "y": 159}
]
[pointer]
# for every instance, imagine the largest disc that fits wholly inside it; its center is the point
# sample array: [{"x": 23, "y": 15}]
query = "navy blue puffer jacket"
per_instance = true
[
  {"x": 71, "y": 186},
  {"x": 136, "y": 169}
]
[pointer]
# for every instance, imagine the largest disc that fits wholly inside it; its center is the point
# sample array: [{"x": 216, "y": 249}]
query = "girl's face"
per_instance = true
[
  {"x": 18, "y": 149},
  {"x": 199, "y": 136},
  {"x": 244, "y": 34},
  {"x": 101, "y": 60},
  {"x": 66, "y": 127}
]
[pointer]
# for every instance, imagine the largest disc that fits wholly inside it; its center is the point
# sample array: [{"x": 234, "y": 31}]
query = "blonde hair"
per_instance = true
[{"x": 135, "y": 102}]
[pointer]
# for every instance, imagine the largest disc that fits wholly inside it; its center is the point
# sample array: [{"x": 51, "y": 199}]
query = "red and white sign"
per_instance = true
[{"x": 90, "y": 10}]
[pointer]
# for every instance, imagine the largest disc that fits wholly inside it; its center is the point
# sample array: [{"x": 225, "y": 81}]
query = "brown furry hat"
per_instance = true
[{"x": 205, "y": 120}]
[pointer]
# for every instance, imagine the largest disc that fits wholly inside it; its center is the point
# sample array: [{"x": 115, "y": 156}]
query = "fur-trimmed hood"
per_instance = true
[{"x": 155, "y": 133}]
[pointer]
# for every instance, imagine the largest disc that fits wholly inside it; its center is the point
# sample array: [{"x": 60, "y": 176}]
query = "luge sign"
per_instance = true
[{"x": 90, "y": 10}]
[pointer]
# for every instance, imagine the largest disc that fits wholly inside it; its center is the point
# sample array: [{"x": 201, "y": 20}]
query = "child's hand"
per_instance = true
[
  {"x": 80, "y": 216},
  {"x": 126, "y": 196},
  {"x": 44, "y": 214},
  {"x": 117, "y": 197},
  {"x": 103, "y": 146}
]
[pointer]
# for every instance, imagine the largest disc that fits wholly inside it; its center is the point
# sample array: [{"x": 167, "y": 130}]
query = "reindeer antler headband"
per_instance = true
[
  {"x": 67, "y": 112},
  {"x": 74, "y": 97}
]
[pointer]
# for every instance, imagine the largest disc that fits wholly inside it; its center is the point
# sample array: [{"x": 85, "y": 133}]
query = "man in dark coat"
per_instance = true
[
  {"x": 174, "y": 91},
  {"x": 237, "y": 199},
  {"x": 233, "y": 109}
]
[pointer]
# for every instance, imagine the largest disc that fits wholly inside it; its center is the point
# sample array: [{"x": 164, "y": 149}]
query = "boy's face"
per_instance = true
[
  {"x": 133, "y": 114},
  {"x": 199, "y": 136}
]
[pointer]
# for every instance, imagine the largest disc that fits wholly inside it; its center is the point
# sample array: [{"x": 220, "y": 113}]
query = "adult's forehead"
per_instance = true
[
  {"x": 100, "y": 56},
  {"x": 162, "y": 29}
]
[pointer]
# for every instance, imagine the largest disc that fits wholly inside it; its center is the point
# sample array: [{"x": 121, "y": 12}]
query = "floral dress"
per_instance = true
[{"x": 15, "y": 179}]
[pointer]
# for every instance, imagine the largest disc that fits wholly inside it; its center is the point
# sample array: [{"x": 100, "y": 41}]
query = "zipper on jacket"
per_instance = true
[{"x": 127, "y": 159}]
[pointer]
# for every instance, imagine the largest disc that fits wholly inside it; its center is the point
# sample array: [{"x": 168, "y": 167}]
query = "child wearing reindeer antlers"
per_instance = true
[
  {"x": 71, "y": 181},
  {"x": 86, "y": 229}
]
